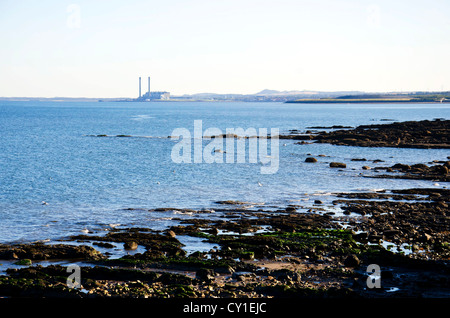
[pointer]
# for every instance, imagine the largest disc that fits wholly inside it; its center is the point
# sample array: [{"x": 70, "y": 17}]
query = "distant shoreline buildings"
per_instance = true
[{"x": 149, "y": 96}]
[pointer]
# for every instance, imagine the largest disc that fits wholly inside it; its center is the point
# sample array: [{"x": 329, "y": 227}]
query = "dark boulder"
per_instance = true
[
  {"x": 131, "y": 245},
  {"x": 402, "y": 167},
  {"x": 205, "y": 274},
  {"x": 338, "y": 165},
  {"x": 352, "y": 261},
  {"x": 310, "y": 159}
]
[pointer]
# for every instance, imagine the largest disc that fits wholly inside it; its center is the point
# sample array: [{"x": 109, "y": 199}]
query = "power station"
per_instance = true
[{"x": 148, "y": 96}]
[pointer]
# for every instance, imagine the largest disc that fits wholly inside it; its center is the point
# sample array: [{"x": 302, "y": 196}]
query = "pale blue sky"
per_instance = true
[{"x": 100, "y": 48}]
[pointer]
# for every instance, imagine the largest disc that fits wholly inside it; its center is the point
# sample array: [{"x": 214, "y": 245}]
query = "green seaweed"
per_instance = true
[
  {"x": 181, "y": 291},
  {"x": 177, "y": 262},
  {"x": 25, "y": 261}
]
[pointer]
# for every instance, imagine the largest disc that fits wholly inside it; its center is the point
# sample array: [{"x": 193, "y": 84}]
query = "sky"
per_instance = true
[{"x": 99, "y": 48}]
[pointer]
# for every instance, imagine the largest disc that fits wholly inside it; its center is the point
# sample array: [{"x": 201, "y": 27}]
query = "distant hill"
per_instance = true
[
  {"x": 284, "y": 93},
  {"x": 266, "y": 92}
]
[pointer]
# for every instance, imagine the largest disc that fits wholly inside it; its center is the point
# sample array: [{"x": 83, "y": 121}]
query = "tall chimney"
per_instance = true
[
  {"x": 149, "y": 87},
  {"x": 139, "y": 87}
]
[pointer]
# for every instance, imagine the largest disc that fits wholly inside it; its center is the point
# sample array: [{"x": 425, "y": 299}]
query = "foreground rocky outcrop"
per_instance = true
[{"x": 259, "y": 254}]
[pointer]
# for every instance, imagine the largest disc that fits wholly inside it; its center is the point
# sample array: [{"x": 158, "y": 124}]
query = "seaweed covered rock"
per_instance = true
[
  {"x": 40, "y": 251},
  {"x": 155, "y": 243}
]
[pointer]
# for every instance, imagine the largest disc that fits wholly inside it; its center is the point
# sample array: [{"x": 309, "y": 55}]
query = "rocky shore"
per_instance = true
[
  {"x": 257, "y": 253},
  {"x": 322, "y": 251}
]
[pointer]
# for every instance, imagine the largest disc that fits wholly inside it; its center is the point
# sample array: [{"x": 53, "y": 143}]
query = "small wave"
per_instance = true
[
  {"x": 371, "y": 190},
  {"x": 141, "y": 117},
  {"x": 183, "y": 212}
]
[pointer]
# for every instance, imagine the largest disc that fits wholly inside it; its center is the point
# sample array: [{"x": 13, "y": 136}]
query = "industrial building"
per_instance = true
[{"x": 148, "y": 96}]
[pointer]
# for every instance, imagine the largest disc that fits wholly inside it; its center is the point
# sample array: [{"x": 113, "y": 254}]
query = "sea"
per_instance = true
[{"x": 69, "y": 167}]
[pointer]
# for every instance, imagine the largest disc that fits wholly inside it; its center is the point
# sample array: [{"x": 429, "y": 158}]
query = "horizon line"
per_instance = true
[{"x": 250, "y": 94}]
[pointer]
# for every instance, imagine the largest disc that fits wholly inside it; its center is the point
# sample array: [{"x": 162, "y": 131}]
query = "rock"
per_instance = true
[
  {"x": 229, "y": 270},
  {"x": 174, "y": 279},
  {"x": 104, "y": 244},
  {"x": 205, "y": 274},
  {"x": 427, "y": 237},
  {"x": 374, "y": 238},
  {"x": 131, "y": 245},
  {"x": 26, "y": 262},
  {"x": 8, "y": 254},
  {"x": 338, "y": 165},
  {"x": 390, "y": 233},
  {"x": 310, "y": 159},
  {"x": 248, "y": 256},
  {"x": 366, "y": 168},
  {"x": 352, "y": 261},
  {"x": 361, "y": 237},
  {"x": 214, "y": 230},
  {"x": 440, "y": 169},
  {"x": 291, "y": 209},
  {"x": 242, "y": 277},
  {"x": 171, "y": 233},
  {"x": 318, "y": 202},
  {"x": 400, "y": 166},
  {"x": 286, "y": 275},
  {"x": 359, "y": 159},
  {"x": 419, "y": 166},
  {"x": 40, "y": 251}
]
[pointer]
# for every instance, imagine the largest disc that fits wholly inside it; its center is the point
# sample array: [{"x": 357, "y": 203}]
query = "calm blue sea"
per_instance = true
[{"x": 47, "y": 155}]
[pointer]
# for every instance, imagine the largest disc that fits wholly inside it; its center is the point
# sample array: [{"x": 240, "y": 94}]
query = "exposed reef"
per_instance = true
[{"x": 409, "y": 134}]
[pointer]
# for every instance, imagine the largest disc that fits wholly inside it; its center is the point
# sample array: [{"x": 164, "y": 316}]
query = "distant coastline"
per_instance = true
[
  {"x": 362, "y": 101},
  {"x": 305, "y": 97},
  {"x": 443, "y": 97}
]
